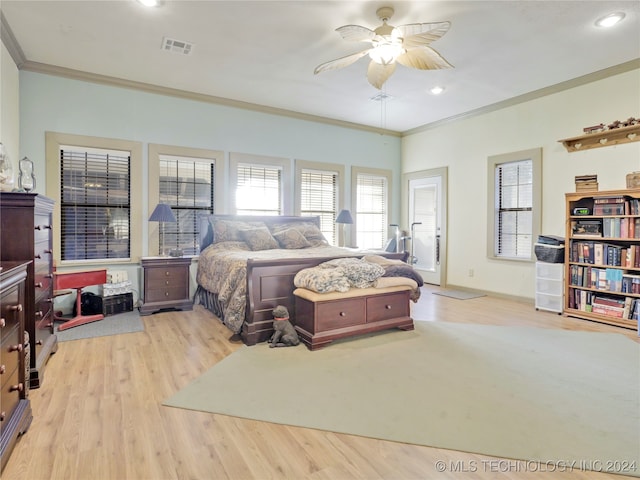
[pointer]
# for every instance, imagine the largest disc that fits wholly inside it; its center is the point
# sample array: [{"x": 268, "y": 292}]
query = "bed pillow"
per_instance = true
[
  {"x": 291, "y": 239},
  {"x": 258, "y": 238},
  {"x": 229, "y": 230},
  {"x": 309, "y": 230}
]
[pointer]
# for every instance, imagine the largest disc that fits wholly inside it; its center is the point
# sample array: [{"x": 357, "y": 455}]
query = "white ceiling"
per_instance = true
[{"x": 264, "y": 52}]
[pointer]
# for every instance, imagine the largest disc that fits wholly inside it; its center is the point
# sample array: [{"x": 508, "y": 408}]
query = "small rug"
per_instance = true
[
  {"x": 459, "y": 294},
  {"x": 127, "y": 322},
  {"x": 525, "y": 393}
]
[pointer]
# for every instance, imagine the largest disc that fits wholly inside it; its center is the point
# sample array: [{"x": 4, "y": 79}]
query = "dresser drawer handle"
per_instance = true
[
  {"x": 43, "y": 227},
  {"x": 19, "y": 387},
  {"x": 39, "y": 342},
  {"x": 3, "y": 415},
  {"x": 167, "y": 274},
  {"x": 3, "y": 322},
  {"x": 166, "y": 282},
  {"x": 166, "y": 294},
  {"x": 15, "y": 348},
  {"x": 388, "y": 307},
  {"x": 38, "y": 313},
  {"x": 37, "y": 256},
  {"x": 343, "y": 314},
  {"x": 49, "y": 275},
  {"x": 16, "y": 308},
  {"x": 2, "y": 369},
  {"x": 38, "y": 285}
]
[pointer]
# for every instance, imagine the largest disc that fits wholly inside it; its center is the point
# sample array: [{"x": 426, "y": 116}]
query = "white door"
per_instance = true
[{"x": 426, "y": 226}]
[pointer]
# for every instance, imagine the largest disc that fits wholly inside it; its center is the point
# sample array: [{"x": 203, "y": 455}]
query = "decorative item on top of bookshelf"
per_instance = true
[
  {"x": 616, "y": 133},
  {"x": 633, "y": 180},
  {"x": 586, "y": 183},
  {"x": 602, "y": 261}
]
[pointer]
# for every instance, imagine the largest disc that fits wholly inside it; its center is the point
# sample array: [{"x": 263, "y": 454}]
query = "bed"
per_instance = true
[{"x": 242, "y": 274}]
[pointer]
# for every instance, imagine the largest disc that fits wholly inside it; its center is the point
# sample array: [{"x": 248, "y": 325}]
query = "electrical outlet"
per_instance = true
[{"x": 471, "y": 272}]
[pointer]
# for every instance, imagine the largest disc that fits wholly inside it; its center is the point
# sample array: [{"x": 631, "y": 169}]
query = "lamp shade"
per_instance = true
[
  {"x": 344, "y": 217},
  {"x": 162, "y": 213}
]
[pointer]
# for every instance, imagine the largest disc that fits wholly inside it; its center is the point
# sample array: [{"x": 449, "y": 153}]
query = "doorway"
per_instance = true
[{"x": 426, "y": 221}]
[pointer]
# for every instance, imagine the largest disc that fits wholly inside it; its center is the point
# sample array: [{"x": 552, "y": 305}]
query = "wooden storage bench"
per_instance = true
[{"x": 321, "y": 318}]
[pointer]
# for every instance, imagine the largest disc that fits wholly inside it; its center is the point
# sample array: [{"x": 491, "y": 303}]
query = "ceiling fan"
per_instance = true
[{"x": 407, "y": 45}]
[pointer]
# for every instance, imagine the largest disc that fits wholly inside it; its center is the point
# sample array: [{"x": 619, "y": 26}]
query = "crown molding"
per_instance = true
[
  {"x": 200, "y": 97},
  {"x": 10, "y": 42},
  {"x": 543, "y": 92}
]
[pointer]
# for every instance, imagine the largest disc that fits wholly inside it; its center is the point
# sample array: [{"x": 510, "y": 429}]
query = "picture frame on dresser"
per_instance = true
[{"x": 26, "y": 234}]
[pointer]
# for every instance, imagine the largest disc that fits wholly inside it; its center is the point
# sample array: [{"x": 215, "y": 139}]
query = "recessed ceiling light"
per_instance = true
[
  {"x": 149, "y": 3},
  {"x": 610, "y": 20},
  {"x": 437, "y": 90}
]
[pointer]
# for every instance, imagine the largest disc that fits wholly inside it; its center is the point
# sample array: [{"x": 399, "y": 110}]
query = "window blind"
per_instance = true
[
  {"x": 318, "y": 197},
  {"x": 95, "y": 204},
  {"x": 186, "y": 185},
  {"x": 514, "y": 209},
  {"x": 371, "y": 210},
  {"x": 259, "y": 190}
]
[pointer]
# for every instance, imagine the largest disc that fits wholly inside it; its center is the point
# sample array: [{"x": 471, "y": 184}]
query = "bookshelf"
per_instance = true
[{"x": 602, "y": 257}]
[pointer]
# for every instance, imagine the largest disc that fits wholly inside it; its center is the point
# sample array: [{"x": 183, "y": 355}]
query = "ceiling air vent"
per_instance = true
[{"x": 176, "y": 46}]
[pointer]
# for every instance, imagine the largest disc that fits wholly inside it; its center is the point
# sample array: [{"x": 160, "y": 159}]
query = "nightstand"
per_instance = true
[{"x": 166, "y": 284}]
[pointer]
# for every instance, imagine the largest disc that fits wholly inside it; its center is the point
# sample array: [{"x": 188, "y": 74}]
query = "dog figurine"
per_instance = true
[{"x": 284, "y": 334}]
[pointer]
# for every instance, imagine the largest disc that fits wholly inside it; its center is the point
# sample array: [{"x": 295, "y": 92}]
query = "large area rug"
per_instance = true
[
  {"x": 513, "y": 392},
  {"x": 127, "y": 322}
]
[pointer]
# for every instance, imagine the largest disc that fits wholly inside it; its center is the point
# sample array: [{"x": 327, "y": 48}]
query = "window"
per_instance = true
[
  {"x": 189, "y": 180},
  {"x": 515, "y": 195},
  {"x": 95, "y": 183},
  {"x": 262, "y": 185},
  {"x": 318, "y": 188},
  {"x": 259, "y": 190},
  {"x": 95, "y": 205},
  {"x": 372, "y": 206},
  {"x": 186, "y": 185}
]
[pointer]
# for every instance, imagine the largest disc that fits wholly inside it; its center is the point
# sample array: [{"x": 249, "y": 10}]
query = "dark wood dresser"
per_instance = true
[
  {"x": 15, "y": 407},
  {"x": 26, "y": 226},
  {"x": 166, "y": 284}
]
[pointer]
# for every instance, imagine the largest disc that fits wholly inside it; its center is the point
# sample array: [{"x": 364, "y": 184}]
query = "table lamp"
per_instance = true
[
  {"x": 162, "y": 213},
  {"x": 344, "y": 218}
]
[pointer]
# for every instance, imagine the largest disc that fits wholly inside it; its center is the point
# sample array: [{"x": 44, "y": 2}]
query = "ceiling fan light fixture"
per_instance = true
[
  {"x": 610, "y": 20},
  {"x": 437, "y": 90},
  {"x": 386, "y": 52}
]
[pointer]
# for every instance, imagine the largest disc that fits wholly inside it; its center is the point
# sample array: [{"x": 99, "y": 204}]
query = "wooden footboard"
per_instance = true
[{"x": 270, "y": 283}]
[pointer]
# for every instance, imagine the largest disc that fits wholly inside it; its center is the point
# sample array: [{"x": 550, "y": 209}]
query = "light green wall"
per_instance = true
[
  {"x": 464, "y": 146},
  {"x": 9, "y": 108}
]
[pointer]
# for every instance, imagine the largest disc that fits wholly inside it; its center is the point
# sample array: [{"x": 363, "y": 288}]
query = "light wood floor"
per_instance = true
[{"x": 98, "y": 414}]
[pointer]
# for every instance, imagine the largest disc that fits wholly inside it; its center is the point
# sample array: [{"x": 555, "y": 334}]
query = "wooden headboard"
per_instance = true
[{"x": 206, "y": 231}]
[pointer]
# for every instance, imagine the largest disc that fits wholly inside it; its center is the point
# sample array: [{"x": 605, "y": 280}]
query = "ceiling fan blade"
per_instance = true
[
  {"x": 377, "y": 73},
  {"x": 421, "y": 34},
  {"x": 423, "y": 58},
  {"x": 356, "y": 33},
  {"x": 341, "y": 62}
]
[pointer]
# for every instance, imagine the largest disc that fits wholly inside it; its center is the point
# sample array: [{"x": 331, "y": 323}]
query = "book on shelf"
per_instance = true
[{"x": 608, "y": 199}]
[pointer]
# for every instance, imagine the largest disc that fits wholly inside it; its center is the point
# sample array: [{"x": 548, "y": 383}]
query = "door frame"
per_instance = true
[{"x": 441, "y": 172}]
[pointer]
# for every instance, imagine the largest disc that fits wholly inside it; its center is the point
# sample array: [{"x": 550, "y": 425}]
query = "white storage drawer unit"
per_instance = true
[{"x": 549, "y": 286}]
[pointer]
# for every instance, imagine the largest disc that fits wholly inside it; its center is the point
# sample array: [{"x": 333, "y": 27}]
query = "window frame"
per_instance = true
[
  {"x": 53, "y": 143},
  {"x": 378, "y": 172},
  {"x": 235, "y": 159},
  {"x": 329, "y": 168},
  {"x": 153, "y": 194},
  {"x": 493, "y": 162}
]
